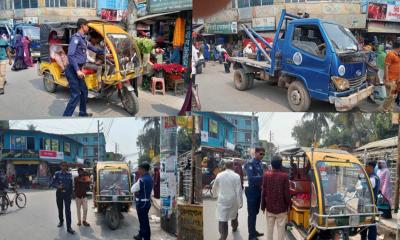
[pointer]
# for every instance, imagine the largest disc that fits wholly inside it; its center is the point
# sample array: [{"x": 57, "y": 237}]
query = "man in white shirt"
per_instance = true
[
  {"x": 228, "y": 188},
  {"x": 195, "y": 60}
]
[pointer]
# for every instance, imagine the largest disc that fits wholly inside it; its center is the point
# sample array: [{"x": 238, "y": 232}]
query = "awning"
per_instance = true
[
  {"x": 199, "y": 28},
  {"x": 27, "y": 162},
  {"x": 149, "y": 17}
]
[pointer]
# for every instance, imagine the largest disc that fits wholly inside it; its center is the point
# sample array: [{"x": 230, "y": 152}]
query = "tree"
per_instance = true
[
  {"x": 150, "y": 138},
  {"x": 31, "y": 127},
  {"x": 302, "y": 134},
  {"x": 184, "y": 140},
  {"x": 320, "y": 124}
]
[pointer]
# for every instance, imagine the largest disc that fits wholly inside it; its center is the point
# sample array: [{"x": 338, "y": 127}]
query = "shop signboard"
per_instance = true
[
  {"x": 9, "y": 154},
  {"x": 393, "y": 13},
  {"x": 51, "y": 154},
  {"x": 187, "y": 48},
  {"x": 221, "y": 28},
  {"x": 204, "y": 136},
  {"x": 190, "y": 221},
  {"x": 263, "y": 24},
  {"x": 113, "y": 15},
  {"x": 158, "y": 6}
]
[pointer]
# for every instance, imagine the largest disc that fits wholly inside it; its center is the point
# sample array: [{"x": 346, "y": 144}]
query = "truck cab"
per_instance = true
[{"x": 325, "y": 57}]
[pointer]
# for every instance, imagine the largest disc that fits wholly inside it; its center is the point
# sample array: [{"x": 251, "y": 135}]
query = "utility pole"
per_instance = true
[
  {"x": 99, "y": 128},
  {"x": 193, "y": 163},
  {"x": 397, "y": 185}
]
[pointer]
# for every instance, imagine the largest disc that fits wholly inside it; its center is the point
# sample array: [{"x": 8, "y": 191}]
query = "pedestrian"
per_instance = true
[
  {"x": 77, "y": 58},
  {"x": 380, "y": 63},
  {"x": 81, "y": 184},
  {"x": 392, "y": 77},
  {"x": 370, "y": 233},
  {"x": 63, "y": 182},
  {"x": 385, "y": 186},
  {"x": 239, "y": 170},
  {"x": 195, "y": 60},
  {"x": 156, "y": 181},
  {"x": 142, "y": 189},
  {"x": 206, "y": 51},
  {"x": 3, "y": 191},
  {"x": 248, "y": 50},
  {"x": 5, "y": 55},
  {"x": 228, "y": 189},
  {"x": 255, "y": 172},
  {"x": 56, "y": 51},
  {"x": 27, "y": 51},
  {"x": 275, "y": 199},
  {"x": 19, "y": 61}
]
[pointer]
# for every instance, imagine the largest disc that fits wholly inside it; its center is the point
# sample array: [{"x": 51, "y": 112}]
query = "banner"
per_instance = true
[
  {"x": 377, "y": 11},
  {"x": 51, "y": 154},
  {"x": 263, "y": 24},
  {"x": 393, "y": 13},
  {"x": 221, "y": 28},
  {"x": 157, "y": 6},
  {"x": 113, "y": 15}
]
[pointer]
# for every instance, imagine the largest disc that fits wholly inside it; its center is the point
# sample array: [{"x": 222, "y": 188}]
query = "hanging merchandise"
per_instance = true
[{"x": 179, "y": 32}]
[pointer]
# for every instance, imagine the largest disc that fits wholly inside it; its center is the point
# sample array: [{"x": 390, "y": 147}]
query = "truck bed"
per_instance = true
[{"x": 252, "y": 62}]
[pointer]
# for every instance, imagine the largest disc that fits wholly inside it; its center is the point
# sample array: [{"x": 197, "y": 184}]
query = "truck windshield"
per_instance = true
[
  {"x": 342, "y": 39},
  {"x": 345, "y": 188},
  {"x": 32, "y": 32}
]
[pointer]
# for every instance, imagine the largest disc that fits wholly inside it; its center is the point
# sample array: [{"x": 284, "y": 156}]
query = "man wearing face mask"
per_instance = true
[{"x": 77, "y": 58}]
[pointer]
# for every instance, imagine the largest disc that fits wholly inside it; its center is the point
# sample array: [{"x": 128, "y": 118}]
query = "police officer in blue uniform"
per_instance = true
[
  {"x": 63, "y": 182},
  {"x": 255, "y": 171},
  {"x": 142, "y": 189},
  {"x": 77, "y": 58}
]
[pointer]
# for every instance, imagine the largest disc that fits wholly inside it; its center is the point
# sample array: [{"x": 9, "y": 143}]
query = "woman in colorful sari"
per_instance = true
[
  {"x": 27, "y": 52},
  {"x": 19, "y": 62},
  {"x": 386, "y": 184}
]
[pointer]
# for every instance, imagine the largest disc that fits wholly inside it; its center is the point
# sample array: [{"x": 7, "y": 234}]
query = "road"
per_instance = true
[
  {"x": 26, "y": 98},
  {"x": 218, "y": 93},
  {"x": 40, "y": 218}
]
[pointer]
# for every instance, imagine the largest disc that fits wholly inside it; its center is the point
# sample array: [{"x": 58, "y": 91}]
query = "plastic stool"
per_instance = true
[{"x": 154, "y": 81}]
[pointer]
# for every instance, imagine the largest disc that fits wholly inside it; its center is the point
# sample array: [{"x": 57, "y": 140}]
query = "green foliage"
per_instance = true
[
  {"x": 351, "y": 129},
  {"x": 144, "y": 158},
  {"x": 184, "y": 140},
  {"x": 146, "y": 83},
  {"x": 145, "y": 45},
  {"x": 150, "y": 138}
]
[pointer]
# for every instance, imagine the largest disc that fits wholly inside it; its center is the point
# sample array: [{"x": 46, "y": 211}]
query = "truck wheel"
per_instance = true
[
  {"x": 250, "y": 77},
  {"x": 241, "y": 79},
  {"x": 112, "y": 217},
  {"x": 298, "y": 97},
  {"x": 48, "y": 82}
]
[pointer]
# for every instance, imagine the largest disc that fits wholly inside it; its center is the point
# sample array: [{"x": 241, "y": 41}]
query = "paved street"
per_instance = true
[
  {"x": 38, "y": 221},
  {"x": 218, "y": 93},
  {"x": 26, "y": 98}
]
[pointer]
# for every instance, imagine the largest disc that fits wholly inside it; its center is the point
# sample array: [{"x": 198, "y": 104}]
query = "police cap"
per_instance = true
[
  {"x": 145, "y": 166},
  {"x": 81, "y": 21}
]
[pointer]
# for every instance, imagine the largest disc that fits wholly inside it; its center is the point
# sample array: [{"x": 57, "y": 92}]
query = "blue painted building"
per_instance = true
[
  {"x": 90, "y": 145},
  {"x": 35, "y": 154},
  {"x": 112, "y": 4},
  {"x": 242, "y": 132},
  {"x": 216, "y": 131}
]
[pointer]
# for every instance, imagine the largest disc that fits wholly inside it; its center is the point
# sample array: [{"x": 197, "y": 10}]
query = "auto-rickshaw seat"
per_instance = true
[
  {"x": 301, "y": 203},
  {"x": 88, "y": 71},
  {"x": 299, "y": 186}
]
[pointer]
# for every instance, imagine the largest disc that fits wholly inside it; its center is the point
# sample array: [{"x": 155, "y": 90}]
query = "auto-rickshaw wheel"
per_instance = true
[
  {"x": 129, "y": 101},
  {"x": 48, "y": 82},
  {"x": 113, "y": 218}
]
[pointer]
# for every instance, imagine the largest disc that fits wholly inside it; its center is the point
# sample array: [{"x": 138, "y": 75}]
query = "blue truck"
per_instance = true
[{"x": 314, "y": 59}]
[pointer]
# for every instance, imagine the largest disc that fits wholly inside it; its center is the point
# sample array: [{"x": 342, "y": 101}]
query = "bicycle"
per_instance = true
[{"x": 19, "y": 199}]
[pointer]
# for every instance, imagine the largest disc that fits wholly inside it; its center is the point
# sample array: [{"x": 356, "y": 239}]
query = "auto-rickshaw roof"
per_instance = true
[
  {"x": 107, "y": 27},
  {"x": 321, "y": 154},
  {"x": 111, "y": 164}
]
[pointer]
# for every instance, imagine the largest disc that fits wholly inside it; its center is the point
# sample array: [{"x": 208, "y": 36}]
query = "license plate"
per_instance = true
[
  {"x": 354, "y": 221},
  {"x": 115, "y": 198}
]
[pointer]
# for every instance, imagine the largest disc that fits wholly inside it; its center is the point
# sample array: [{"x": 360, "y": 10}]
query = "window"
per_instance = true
[
  {"x": 247, "y": 136},
  {"x": 248, "y": 122},
  {"x": 55, "y": 145},
  {"x": 253, "y": 3},
  {"x": 67, "y": 148},
  {"x": 30, "y": 143},
  {"x": 95, "y": 151},
  {"x": 5, "y": 4},
  {"x": 85, "y": 139},
  {"x": 56, "y": 3},
  {"x": 309, "y": 39},
  {"x": 85, "y": 3},
  {"x": 95, "y": 139},
  {"x": 85, "y": 151},
  {"x": 19, "y": 143},
  {"x": 20, "y": 4},
  {"x": 213, "y": 128}
]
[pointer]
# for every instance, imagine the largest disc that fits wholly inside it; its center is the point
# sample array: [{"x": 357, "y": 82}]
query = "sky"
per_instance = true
[
  {"x": 280, "y": 124},
  {"x": 123, "y": 131}
]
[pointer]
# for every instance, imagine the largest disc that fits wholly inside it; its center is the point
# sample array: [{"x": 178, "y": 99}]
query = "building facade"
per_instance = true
[
  {"x": 216, "y": 131},
  {"x": 40, "y": 11},
  {"x": 90, "y": 146},
  {"x": 37, "y": 154},
  {"x": 244, "y": 124},
  {"x": 263, "y": 16}
]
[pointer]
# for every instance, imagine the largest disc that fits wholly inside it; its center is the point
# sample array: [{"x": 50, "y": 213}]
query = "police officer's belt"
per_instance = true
[{"x": 142, "y": 200}]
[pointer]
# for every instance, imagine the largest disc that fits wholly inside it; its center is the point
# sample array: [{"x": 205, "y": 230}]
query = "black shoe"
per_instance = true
[
  {"x": 1, "y": 90},
  {"x": 253, "y": 238},
  {"x": 70, "y": 231},
  {"x": 234, "y": 229},
  {"x": 85, "y": 114},
  {"x": 60, "y": 224},
  {"x": 137, "y": 237},
  {"x": 259, "y": 234}
]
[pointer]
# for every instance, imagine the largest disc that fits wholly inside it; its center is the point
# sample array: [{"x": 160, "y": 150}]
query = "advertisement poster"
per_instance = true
[
  {"x": 377, "y": 11},
  {"x": 213, "y": 128},
  {"x": 113, "y": 15},
  {"x": 393, "y": 13}
]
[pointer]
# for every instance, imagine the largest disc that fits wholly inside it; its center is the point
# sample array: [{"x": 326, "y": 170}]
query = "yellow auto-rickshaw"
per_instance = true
[
  {"x": 119, "y": 71},
  {"x": 331, "y": 194},
  {"x": 112, "y": 194}
]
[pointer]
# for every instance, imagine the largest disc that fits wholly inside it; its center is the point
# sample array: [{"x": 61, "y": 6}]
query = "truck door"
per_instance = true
[{"x": 306, "y": 56}]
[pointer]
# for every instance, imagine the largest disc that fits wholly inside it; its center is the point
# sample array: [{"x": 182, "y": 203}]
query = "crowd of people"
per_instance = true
[{"x": 268, "y": 190}]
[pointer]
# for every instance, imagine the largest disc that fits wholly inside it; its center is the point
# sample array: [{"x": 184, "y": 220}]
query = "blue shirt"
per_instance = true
[
  {"x": 63, "y": 178},
  {"x": 146, "y": 186},
  {"x": 77, "y": 50},
  {"x": 255, "y": 171},
  {"x": 3, "y": 49}
]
